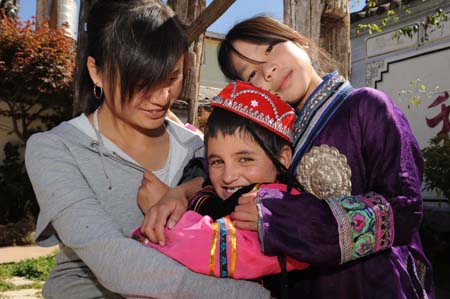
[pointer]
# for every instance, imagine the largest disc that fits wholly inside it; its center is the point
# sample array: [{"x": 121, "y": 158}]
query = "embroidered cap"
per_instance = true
[{"x": 260, "y": 106}]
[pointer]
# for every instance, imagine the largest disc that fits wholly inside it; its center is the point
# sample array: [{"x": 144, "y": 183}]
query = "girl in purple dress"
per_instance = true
[{"x": 360, "y": 166}]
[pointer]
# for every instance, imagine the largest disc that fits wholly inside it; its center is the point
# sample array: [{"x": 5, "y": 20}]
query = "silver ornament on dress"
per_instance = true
[{"x": 324, "y": 172}]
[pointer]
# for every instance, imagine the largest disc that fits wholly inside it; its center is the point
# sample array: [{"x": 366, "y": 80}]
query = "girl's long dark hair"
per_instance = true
[{"x": 135, "y": 44}]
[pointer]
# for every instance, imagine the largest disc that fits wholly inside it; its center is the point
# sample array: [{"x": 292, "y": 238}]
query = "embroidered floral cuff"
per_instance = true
[{"x": 365, "y": 224}]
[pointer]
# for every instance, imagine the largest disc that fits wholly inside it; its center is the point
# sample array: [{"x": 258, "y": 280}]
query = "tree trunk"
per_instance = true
[
  {"x": 197, "y": 19},
  {"x": 326, "y": 23},
  {"x": 207, "y": 17},
  {"x": 335, "y": 33},
  {"x": 11, "y": 7},
  {"x": 188, "y": 11}
]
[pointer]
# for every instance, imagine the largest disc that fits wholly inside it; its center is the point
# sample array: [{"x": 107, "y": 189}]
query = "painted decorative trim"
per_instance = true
[{"x": 373, "y": 70}]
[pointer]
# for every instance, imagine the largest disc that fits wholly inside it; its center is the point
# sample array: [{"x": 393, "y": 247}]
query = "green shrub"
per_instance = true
[
  {"x": 36, "y": 71},
  {"x": 6, "y": 270},
  {"x": 35, "y": 269},
  {"x": 6, "y": 286},
  {"x": 437, "y": 165}
]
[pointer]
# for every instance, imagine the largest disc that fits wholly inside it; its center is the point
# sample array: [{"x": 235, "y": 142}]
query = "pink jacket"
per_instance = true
[{"x": 217, "y": 248}]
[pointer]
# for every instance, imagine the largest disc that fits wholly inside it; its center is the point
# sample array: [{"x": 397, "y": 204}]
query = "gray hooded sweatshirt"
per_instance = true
[{"x": 87, "y": 196}]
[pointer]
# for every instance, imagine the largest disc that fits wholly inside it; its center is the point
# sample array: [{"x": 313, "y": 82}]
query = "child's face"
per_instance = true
[{"x": 236, "y": 161}]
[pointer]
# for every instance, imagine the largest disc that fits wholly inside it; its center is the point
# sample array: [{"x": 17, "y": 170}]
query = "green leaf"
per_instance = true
[
  {"x": 377, "y": 28},
  {"x": 416, "y": 101}
]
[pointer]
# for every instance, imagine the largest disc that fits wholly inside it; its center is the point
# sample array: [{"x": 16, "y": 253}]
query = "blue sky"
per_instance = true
[{"x": 240, "y": 10}]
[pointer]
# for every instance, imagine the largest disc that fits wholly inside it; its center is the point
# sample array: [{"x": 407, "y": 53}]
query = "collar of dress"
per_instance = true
[{"x": 318, "y": 109}]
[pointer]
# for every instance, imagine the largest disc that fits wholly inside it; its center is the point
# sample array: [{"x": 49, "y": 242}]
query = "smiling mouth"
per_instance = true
[
  {"x": 232, "y": 190},
  {"x": 155, "y": 113},
  {"x": 284, "y": 82}
]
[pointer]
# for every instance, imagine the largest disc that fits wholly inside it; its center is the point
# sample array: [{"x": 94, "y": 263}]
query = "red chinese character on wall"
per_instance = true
[{"x": 443, "y": 116}]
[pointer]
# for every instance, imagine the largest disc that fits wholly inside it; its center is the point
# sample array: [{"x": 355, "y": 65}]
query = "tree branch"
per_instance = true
[
  {"x": 207, "y": 17},
  {"x": 16, "y": 130}
]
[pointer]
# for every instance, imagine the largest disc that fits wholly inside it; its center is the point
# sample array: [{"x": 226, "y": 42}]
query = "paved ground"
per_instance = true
[
  {"x": 27, "y": 293},
  {"x": 17, "y": 253},
  {"x": 21, "y": 294}
]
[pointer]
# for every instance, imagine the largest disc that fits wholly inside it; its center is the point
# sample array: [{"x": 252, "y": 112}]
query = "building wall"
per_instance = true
[{"x": 211, "y": 75}]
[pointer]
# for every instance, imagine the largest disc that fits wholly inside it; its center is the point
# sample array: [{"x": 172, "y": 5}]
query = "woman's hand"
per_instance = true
[
  {"x": 169, "y": 210},
  {"x": 245, "y": 215},
  {"x": 150, "y": 192}
]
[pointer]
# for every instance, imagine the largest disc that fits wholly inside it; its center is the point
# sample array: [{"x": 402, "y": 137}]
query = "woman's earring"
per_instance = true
[{"x": 98, "y": 94}]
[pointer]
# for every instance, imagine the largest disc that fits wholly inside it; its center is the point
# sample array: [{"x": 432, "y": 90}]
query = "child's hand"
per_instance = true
[
  {"x": 150, "y": 192},
  {"x": 245, "y": 215},
  {"x": 167, "y": 211}
]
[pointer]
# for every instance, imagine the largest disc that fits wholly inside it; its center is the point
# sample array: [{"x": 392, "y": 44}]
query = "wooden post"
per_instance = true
[
  {"x": 187, "y": 12},
  {"x": 198, "y": 19}
]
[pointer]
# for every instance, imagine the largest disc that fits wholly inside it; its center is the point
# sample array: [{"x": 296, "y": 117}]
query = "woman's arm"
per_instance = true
[{"x": 119, "y": 263}]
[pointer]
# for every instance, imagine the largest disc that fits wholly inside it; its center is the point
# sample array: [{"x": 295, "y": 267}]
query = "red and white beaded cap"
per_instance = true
[{"x": 258, "y": 105}]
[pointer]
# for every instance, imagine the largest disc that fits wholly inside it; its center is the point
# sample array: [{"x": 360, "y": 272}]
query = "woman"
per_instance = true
[
  {"x": 86, "y": 172},
  {"x": 358, "y": 161}
]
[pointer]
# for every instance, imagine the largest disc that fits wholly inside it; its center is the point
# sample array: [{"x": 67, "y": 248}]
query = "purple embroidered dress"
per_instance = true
[{"x": 358, "y": 221}]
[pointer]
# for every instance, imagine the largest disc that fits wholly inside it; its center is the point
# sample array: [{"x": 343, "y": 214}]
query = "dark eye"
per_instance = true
[
  {"x": 269, "y": 49},
  {"x": 216, "y": 162},
  {"x": 245, "y": 159},
  {"x": 174, "y": 76},
  {"x": 251, "y": 76}
]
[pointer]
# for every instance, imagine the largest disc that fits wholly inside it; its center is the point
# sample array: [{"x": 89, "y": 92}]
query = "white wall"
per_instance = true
[{"x": 390, "y": 65}]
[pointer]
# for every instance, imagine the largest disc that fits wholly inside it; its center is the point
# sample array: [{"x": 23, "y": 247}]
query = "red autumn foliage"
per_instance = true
[{"x": 36, "y": 69}]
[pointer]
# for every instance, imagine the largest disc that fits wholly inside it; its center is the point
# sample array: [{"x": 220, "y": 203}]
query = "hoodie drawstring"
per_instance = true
[{"x": 100, "y": 147}]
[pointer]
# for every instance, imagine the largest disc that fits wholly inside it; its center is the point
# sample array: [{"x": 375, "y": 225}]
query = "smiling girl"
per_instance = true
[
  {"x": 248, "y": 141},
  {"x": 359, "y": 164}
]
